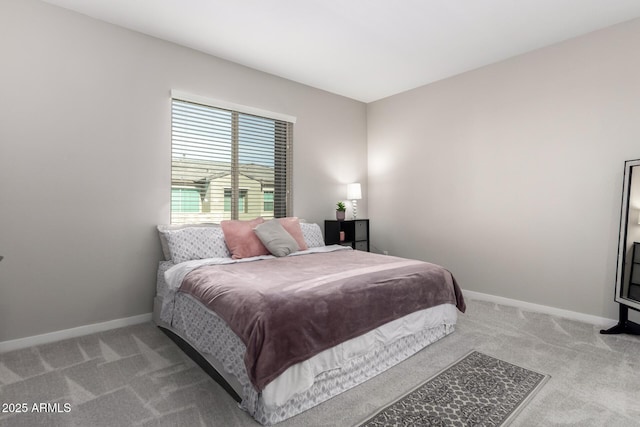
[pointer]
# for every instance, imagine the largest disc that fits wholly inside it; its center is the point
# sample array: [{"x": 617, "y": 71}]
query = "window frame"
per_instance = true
[{"x": 282, "y": 161}]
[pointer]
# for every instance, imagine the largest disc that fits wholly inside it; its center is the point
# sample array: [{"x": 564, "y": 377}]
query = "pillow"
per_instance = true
[
  {"x": 276, "y": 239},
  {"x": 241, "y": 239},
  {"x": 292, "y": 225},
  {"x": 190, "y": 243},
  {"x": 162, "y": 230},
  {"x": 312, "y": 235}
]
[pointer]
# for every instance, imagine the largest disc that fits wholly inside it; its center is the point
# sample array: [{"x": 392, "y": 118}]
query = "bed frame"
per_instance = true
[
  {"x": 207, "y": 362},
  {"x": 202, "y": 361}
]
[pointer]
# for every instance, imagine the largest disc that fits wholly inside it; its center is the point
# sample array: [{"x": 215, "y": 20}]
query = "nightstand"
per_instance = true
[{"x": 356, "y": 233}]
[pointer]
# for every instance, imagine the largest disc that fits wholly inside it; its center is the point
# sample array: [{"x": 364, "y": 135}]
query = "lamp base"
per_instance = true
[{"x": 354, "y": 203}]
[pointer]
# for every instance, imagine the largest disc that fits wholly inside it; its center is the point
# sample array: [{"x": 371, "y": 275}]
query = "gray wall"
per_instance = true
[
  {"x": 85, "y": 159},
  {"x": 511, "y": 175}
]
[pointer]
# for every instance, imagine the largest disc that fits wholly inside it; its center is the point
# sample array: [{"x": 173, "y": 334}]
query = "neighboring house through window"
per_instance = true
[{"x": 228, "y": 161}]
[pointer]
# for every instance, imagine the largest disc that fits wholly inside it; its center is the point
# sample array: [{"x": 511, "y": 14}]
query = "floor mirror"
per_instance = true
[{"x": 628, "y": 260}]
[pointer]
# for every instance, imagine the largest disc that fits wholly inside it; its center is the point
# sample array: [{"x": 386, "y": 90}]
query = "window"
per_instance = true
[
  {"x": 185, "y": 200},
  {"x": 227, "y": 200},
  {"x": 243, "y": 203},
  {"x": 243, "y": 206},
  {"x": 228, "y": 161},
  {"x": 268, "y": 201}
]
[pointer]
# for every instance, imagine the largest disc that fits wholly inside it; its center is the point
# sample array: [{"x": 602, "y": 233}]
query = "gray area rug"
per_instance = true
[{"x": 477, "y": 390}]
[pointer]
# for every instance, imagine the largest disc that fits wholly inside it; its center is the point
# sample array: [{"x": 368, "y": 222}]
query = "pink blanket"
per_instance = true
[{"x": 289, "y": 309}]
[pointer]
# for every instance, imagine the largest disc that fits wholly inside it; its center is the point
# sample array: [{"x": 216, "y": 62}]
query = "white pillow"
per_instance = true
[
  {"x": 162, "y": 231},
  {"x": 196, "y": 243},
  {"x": 312, "y": 235}
]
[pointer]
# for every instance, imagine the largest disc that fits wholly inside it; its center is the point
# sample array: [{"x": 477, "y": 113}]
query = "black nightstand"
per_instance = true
[{"x": 356, "y": 233}]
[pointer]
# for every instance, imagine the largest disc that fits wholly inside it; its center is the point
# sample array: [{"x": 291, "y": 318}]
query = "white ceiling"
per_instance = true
[{"x": 362, "y": 49}]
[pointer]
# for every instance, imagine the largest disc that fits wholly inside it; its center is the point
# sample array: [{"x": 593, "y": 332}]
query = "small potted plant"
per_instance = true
[{"x": 340, "y": 211}]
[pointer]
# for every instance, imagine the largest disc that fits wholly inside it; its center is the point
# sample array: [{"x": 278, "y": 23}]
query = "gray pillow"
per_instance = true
[{"x": 275, "y": 238}]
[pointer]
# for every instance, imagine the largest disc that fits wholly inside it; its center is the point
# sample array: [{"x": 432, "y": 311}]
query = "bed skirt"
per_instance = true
[{"x": 224, "y": 351}]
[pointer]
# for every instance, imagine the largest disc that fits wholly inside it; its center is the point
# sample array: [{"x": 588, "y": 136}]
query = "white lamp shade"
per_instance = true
[{"x": 354, "y": 191}]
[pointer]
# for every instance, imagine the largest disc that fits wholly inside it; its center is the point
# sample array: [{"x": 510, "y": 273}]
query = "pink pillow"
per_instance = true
[
  {"x": 241, "y": 239},
  {"x": 292, "y": 225}
]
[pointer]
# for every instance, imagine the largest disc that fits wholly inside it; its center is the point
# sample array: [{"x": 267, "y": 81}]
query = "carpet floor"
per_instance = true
[{"x": 136, "y": 376}]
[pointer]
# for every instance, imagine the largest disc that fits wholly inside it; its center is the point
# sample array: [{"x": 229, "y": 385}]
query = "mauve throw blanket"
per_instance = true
[{"x": 289, "y": 309}]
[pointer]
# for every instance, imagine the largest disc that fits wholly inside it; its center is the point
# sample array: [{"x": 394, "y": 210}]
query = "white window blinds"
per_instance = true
[{"x": 227, "y": 164}]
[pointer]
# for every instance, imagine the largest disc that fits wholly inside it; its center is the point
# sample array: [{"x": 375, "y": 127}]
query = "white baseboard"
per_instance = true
[
  {"x": 567, "y": 314},
  {"x": 72, "y": 333},
  {"x": 119, "y": 323}
]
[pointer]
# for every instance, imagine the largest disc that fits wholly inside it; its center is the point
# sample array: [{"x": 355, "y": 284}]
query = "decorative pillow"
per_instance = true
[
  {"x": 276, "y": 239},
  {"x": 241, "y": 239},
  {"x": 190, "y": 243},
  {"x": 312, "y": 235},
  {"x": 162, "y": 230},
  {"x": 292, "y": 225}
]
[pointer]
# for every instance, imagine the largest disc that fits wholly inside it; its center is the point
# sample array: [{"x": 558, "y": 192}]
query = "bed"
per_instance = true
[{"x": 284, "y": 334}]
